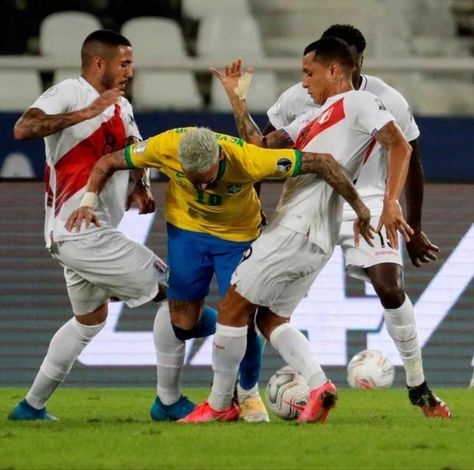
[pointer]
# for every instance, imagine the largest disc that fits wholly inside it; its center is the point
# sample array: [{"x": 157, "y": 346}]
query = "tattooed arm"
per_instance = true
[
  {"x": 141, "y": 194},
  {"x": 325, "y": 166},
  {"x": 104, "y": 168},
  {"x": 246, "y": 126},
  {"x": 35, "y": 123}
]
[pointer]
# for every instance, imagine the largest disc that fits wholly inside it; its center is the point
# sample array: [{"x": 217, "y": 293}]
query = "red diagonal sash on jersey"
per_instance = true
[
  {"x": 369, "y": 149},
  {"x": 49, "y": 191},
  {"x": 73, "y": 169},
  {"x": 328, "y": 118}
]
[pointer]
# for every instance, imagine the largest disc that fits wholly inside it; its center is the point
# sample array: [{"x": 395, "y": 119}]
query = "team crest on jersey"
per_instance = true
[
  {"x": 325, "y": 116},
  {"x": 234, "y": 188},
  {"x": 140, "y": 147},
  {"x": 283, "y": 165}
]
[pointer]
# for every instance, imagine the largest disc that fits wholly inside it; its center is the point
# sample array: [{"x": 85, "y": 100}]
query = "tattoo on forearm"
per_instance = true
[
  {"x": 247, "y": 128},
  {"x": 99, "y": 171},
  {"x": 327, "y": 168},
  {"x": 38, "y": 124}
]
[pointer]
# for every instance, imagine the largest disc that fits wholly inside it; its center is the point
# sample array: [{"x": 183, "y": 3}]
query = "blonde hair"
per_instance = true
[{"x": 198, "y": 150}]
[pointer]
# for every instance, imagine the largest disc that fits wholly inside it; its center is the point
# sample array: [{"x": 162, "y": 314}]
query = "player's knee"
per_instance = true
[
  {"x": 185, "y": 314},
  {"x": 267, "y": 321},
  {"x": 98, "y": 316},
  {"x": 391, "y": 295},
  {"x": 235, "y": 310},
  {"x": 162, "y": 293}
]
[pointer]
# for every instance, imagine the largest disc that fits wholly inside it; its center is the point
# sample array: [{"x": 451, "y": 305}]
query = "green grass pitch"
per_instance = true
[{"x": 111, "y": 429}]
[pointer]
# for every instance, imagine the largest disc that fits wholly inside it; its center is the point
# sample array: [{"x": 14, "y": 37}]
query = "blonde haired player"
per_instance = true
[
  {"x": 211, "y": 201},
  {"x": 285, "y": 260}
]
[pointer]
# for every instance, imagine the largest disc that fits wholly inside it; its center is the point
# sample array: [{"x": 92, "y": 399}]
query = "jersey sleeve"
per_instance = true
[
  {"x": 155, "y": 152},
  {"x": 283, "y": 112},
  {"x": 131, "y": 128},
  {"x": 401, "y": 111},
  {"x": 368, "y": 111},
  {"x": 262, "y": 163},
  {"x": 58, "y": 99}
]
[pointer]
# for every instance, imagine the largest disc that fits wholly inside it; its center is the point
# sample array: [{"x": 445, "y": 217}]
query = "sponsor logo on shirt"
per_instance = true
[
  {"x": 381, "y": 105},
  {"x": 283, "y": 165}
]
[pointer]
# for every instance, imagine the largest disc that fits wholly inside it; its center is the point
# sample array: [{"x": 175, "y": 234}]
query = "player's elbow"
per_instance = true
[
  {"x": 406, "y": 148},
  {"x": 19, "y": 132}
]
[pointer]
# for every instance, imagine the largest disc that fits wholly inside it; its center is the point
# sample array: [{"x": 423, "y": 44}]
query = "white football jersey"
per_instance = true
[
  {"x": 345, "y": 128},
  {"x": 72, "y": 153},
  {"x": 295, "y": 108}
]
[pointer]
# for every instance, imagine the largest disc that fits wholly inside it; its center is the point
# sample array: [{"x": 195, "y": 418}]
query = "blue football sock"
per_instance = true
[
  {"x": 251, "y": 364},
  {"x": 205, "y": 327}
]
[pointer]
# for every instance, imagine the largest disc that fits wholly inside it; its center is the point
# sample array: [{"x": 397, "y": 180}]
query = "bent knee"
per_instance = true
[
  {"x": 185, "y": 314},
  {"x": 98, "y": 316}
]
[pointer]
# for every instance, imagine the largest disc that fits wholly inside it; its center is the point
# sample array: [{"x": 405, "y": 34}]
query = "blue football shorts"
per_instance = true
[{"x": 194, "y": 257}]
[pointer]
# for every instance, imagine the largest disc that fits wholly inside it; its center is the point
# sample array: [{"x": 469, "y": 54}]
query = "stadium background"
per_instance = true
[{"x": 33, "y": 302}]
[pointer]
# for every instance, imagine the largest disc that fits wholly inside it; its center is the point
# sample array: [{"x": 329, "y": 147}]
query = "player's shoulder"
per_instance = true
[
  {"x": 357, "y": 98},
  {"x": 296, "y": 89},
  {"x": 234, "y": 146},
  {"x": 64, "y": 87},
  {"x": 294, "y": 94},
  {"x": 125, "y": 104},
  {"x": 391, "y": 97}
]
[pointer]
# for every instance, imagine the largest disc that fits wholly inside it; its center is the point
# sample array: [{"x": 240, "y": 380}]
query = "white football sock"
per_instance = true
[
  {"x": 296, "y": 350},
  {"x": 228, "y": 349},
  {"x": 64, "y": 348},
  {"x": 170, "y": 353},
  {"x": 401, "y": 327}
]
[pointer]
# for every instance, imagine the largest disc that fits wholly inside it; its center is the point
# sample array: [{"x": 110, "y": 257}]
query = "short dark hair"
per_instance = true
[
  {"x": 348, "y": 33},
  {"x": 331, "y": 49},
  {"x": 108, "y": 37},
  {"x": 101, "y": 42}
]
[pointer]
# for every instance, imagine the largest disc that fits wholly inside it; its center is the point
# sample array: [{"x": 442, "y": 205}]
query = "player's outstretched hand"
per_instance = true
[
  {"x": 363, "y": 228},
  {"x": 141, "y": 196},
  {"x": 231, "y": 76},
  {"x": 100, "y": 104},
  {"x": 83, "y": 214},
  {"x": 393, "y": 220},
  {"x": 421, "y": 250}
]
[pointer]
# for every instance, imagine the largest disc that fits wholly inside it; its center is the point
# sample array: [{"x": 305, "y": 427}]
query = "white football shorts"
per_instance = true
[
  {"x": 108, "y": 264},
  {"x": 278, "y": 269},
  {"x": 365, "y": 255}
]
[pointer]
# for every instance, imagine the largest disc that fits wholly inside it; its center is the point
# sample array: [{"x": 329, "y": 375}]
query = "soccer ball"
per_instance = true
[
  {"x": 286, "y": 393},
  {"x": 370, "y": 369}
]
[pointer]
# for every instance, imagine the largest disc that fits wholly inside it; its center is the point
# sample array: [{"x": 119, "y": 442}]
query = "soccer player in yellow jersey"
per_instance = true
[{"x": 213, "y": 215}]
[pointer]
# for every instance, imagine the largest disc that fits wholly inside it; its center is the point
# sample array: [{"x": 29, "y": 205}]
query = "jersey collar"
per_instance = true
[{"x": 222, "y": 166}]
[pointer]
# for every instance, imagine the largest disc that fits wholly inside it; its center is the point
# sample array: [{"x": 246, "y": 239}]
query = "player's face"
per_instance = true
[
  {"x": 316, "y": 78},
  {"x": 205, "y": 179},
  {"x": 118, "y": 69}
]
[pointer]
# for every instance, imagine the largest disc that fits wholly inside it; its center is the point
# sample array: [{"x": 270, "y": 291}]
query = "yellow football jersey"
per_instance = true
[{"x": 230, "y": 208}]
